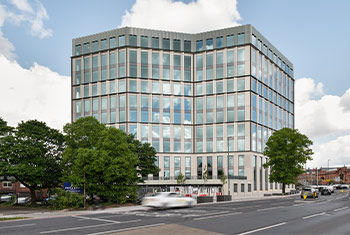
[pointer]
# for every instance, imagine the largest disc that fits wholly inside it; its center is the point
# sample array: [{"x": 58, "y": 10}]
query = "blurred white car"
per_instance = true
[
  {"x": 167, "y": 200},
  {"x": 5, "y": 198}
]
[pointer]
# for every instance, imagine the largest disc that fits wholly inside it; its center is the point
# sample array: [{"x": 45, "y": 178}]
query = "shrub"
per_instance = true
[{"x": 66, "y": 200}]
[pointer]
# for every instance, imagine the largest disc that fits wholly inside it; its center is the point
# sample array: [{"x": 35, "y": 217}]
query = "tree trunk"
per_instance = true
[
  {"x": 283, "y": 188},
  {"x": 33, "y": 196}
]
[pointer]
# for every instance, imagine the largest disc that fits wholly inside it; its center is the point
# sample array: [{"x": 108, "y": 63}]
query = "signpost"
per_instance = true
[
  {"x": 68, "y": 187},
  {"x": 305, "y": 196}
]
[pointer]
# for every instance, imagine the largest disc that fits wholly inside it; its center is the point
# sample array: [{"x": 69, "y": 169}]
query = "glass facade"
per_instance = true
[{"x": 189, "y": 96}]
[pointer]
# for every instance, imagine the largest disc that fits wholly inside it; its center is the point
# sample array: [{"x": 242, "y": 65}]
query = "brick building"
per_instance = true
[{"x": 335, "y": 175}]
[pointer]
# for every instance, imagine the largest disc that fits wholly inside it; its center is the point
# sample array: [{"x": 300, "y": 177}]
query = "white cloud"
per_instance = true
[
  {"x": 338, "y": 151},
  {"x": 345, "y": 101},
  {"x": 196, "y": 16},
  {"x": 318, "y": 114},
  {"x": 324, "y": 119},
  {"x": 34, "y": 93},
  {"x": 24, "y": 13},
  {"x": 22, "y": 5}
]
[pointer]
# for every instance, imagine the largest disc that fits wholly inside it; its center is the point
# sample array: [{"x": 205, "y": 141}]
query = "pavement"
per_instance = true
[
  {"x": 41, "y": 213},
  {"x": 269, "y": 215}
]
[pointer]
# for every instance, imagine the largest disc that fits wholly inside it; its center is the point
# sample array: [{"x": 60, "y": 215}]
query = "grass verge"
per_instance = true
[{"x": 12, "y": 218}]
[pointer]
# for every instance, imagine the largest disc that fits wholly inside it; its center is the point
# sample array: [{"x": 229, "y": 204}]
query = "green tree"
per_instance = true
[
  {"x": 205, "y": 175},
  {"x": 223, "y": 179},
  {"x": 32, "y": 154},
  {"x": 181, "y": 180},
  {"x": 82, "y": 138},
  {"x": 146, "y": 157},
  {"x": 288, "y": 150},
  {"x": 4, "y": 128},
  {"x": 100, "y": 159}
]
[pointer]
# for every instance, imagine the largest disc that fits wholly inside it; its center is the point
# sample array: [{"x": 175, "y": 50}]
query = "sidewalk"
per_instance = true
[{"x": 42, "y": 214}]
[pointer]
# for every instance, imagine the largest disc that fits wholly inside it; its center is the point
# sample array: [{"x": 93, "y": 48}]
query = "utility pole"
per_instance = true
[
  {"x": 228, "y": 161},
  {"x": 328, "y": 167},
  {"x": 317, "y": 176}
]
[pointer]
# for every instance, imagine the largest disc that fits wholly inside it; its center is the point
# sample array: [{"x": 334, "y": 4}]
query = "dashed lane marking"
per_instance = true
[{"x": 264, "y": 228}]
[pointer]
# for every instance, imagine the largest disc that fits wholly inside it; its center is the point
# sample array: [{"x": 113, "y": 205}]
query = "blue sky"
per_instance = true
[
  {"x": 312, "y": 34},
  {"x": 36, "y": 36}
]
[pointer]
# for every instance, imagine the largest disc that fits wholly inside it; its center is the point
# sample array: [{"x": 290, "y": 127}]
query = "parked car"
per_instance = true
[
  {"x": 22, "y": 200},
  {"x": 5, "y": 198},
  {"x": 310, "y": 192},
  {"x": 167, "y": 200},
  {"x": 326, "y": 191}
]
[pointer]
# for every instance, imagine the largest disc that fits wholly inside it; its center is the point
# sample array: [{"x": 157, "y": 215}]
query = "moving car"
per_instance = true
[
  {"x": 310, "y": 192},
  {"x": 167, "y": 200},
  {"x": 326, "y": 191},
  {"x": 5, "y": 198}
]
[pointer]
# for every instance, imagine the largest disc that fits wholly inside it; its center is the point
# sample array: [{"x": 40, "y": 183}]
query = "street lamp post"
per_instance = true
[
  {"x": 328, "y": 168},
  {"x": 228, "y": 162}
]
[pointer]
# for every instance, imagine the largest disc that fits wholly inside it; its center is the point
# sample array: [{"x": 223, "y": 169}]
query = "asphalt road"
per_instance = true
[{"x": 289, "y": 215}]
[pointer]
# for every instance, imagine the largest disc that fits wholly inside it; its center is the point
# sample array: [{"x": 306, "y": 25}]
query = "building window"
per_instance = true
[
  {"x": 230, "y": 63},
  {"x": 166, "y": 44},
  {"x": 133, "y": 40},
  {"x": 230, "y": 167},
  {"x": 199, "y": 67},
  {"x": 241, "y": 137},
  {"x": 166, "y": 168},
  {"x": 7, "y": 184},
  {"x": 121, "y": 63},
  {"x": 241, "y": 165},
  {"x": 177, "y": 139},
  {"x": 144, "y": 64},
  {"x": 199, "y": 45},
  {"x": 188, "y": 168},
  {"x": 132, "y": 63},
  {"x": 121, "y": 40},
  {"x": 112, "y": 42},
  {"x": 144, "y": 41},
  {"x": 209, "y": 67},
  {"x": 94, "y": 46},
  {"x": 209, "y": 44},
  {"x": 176, "y": 45},
  {"x": 242, "y": 188},
  {"x": 78, "y": 49},
  {"x": 155, "y": 65},
  {"x": 187, "y": 68},
  {"x": 155, "y": 42},
  {"x": 177, "y": 67},
  {"x": 219, "y": 42},
  {"x": 219, "y": 65},
  {"x": 177, "y": 111},
  {"x": 230, "y": 137},
  {"x": 187, "y": 46},
  {"x": 210, "y": 167},
  {"x": 249, "y": 188},
  {"x": 255, "y": 172},
  {"x": 155, "y": 138},
  {"x": 155, "y": 109},
  {"x": 220, "y": 166},
  {"x": 103, "y": 44},
  {"x": 230, "y": 40},
  {"x": 133, "y": 108},
  {"x": 241, "y": 39},
  {"x": 177, "y": 166},
  {"x": 86, "y": 48},
  {"x": 166, "y": 138},
  {"x": 235, "y": 188},
  {"x": 199, "y": 168}
]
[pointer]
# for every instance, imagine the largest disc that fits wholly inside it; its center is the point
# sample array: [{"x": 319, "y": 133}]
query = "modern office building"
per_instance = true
[{"x": 205, "y": 101}]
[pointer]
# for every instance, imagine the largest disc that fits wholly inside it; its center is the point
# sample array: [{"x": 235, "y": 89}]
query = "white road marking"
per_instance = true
[
  {"x": 270, "y": 208},
  {"x": 310, "y": 216},
  {"x": 17, "y": 226},
  {"x": 97, "y": 219},
  {"x": 126, "y": 229},
  {"x": 214, "y": 216},
  {"x": 342, "y": 208},
  {"x": 215, "y": 213},
  {"x": 89, "y": 226},
  {"x": 264, "y": 228}
]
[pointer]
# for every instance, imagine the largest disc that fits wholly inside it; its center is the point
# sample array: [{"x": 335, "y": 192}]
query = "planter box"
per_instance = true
[
  {"x": 222, "y": 198},
  {"x": 204, "y": 199}
]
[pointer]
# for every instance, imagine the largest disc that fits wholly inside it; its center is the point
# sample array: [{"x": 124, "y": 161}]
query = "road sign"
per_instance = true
[
  {"x": 305, "y": 196},
  {"x": 68, "y": 187}
]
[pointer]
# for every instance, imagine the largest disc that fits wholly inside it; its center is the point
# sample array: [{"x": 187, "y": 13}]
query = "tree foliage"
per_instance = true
[
  {"x": 4, "y": 128},
  {"x": 31, "y": 154},
  {"x": 102, "y": 158},
  {"x": 288, "y": 150},
  {"x": 146, "y": 156},
  {"x": 181, "y": 179}
]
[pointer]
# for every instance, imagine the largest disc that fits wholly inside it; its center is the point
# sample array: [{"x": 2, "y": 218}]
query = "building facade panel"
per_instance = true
[{"x": 204, "y": 101}]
